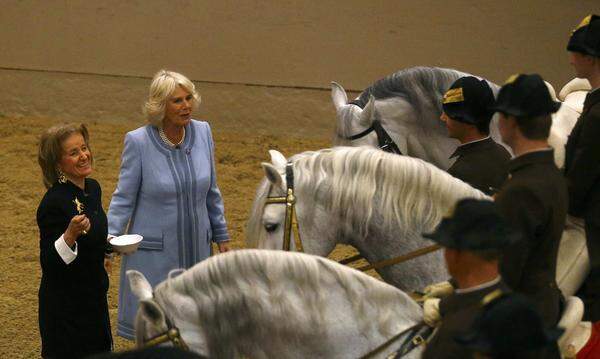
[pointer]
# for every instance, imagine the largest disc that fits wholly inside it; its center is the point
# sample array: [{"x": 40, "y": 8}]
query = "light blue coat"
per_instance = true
[{"x": 170, "y": 197}]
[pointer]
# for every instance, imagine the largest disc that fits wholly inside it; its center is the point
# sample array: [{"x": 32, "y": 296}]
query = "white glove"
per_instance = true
[
  {"x": 438, "y": 290},
  {"x": 431, "y": 312}
]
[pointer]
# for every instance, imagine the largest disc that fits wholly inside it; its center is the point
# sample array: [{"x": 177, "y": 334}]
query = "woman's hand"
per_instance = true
[
  {"x": 79, "y": 225},
  {"x": 223, "y": 246}
]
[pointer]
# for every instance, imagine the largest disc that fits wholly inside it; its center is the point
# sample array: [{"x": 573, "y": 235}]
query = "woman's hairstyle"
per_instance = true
[
  {"x": 51, "y": 151},
  {"x": 163, "y": 85}
]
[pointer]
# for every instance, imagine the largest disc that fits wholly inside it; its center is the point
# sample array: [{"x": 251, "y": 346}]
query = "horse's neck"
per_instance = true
[{"x": 382, "y": 244}]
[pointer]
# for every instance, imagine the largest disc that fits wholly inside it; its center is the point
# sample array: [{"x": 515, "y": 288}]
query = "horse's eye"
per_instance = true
[{"x": 271, "y": 227}]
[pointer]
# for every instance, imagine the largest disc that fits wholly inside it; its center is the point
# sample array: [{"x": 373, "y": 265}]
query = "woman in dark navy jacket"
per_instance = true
[{"x": 73, "y": 309}]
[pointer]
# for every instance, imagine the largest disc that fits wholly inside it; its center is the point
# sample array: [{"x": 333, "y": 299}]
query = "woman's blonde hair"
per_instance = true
[
  {"x": 50, "y": 151},
  {"x": 163, "y": 85}
]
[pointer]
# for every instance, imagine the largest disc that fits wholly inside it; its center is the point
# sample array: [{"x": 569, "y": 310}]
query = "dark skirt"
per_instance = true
[{"x": 74, "y": 325}]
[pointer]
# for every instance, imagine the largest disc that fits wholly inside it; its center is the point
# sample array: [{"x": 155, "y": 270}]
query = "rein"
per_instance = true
[
  {"x": 417, "y": 336},
  {"x": 291, "y": 226},
  {"x": 384, "y": 141}
]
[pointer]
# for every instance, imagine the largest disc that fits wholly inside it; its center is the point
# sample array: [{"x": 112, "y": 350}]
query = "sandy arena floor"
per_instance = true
[{"x": 238, "y": 167}]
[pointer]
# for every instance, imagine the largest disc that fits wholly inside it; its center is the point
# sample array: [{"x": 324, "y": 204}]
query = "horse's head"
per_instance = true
[
  {"x": 152, "y": 324},
  {"x": 351, "y": 120},
  {"x": 266, "y": 224},
  {"x": 273, "y": 215}
]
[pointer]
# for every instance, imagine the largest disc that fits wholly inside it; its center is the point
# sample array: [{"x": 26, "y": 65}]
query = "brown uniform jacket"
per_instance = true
[
  {"x": 534, "y": 200},
  {"x": 482, "y": 164},
  {"x": 582, "y": 157},
  {"x": 458, "y": 312}
]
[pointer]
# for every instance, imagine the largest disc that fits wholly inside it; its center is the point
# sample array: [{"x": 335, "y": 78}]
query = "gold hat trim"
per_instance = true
[
  {"x": 454, "y": 95},
  {"x": 512, "y": 79},
  {"x": 585, "y": 22}
]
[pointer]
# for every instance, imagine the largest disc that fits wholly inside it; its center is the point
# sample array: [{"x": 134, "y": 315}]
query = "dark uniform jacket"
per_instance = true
[
  {"x": 582, "y": 168},
  {"x": 482, "y": 164},
  {"x": 73, "y": 310},
  {"x": 458, "y": 312},
  {"x": 582, "y": 157},
  {"x": 534, "y": 201}
]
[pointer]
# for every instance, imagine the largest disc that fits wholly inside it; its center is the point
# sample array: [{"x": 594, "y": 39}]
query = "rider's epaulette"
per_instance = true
[{"x": 490, "y": 297}]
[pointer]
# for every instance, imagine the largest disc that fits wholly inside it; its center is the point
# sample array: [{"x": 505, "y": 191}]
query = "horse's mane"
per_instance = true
[
  {"x": 400, "y": 194},
  {"x": 422, "y": 87},
  {"x": 244, "y": 296},
  {"x": 362, "y": 184}
]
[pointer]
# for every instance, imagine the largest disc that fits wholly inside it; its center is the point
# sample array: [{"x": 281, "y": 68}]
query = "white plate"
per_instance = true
[{"x": 127, "y": 243}]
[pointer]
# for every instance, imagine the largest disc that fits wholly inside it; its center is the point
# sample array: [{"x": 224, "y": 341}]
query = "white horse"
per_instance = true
[
  {"x": 378, "y": 202},
  {"x": 275, "y": 304},
  {"x": 408, "y": 104}
]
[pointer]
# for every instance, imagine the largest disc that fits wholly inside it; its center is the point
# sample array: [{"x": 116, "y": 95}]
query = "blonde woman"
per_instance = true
[
  {"x": 167, "y": 191},
  {"x": 73, "y": 311}
]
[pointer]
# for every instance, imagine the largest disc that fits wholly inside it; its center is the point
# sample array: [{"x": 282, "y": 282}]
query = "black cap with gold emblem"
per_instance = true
[
  {"x": 475, "y": 225},
  {"x": 508, "y": 324},
  {"x": 469, "y": 100},
  {"x": 525, "y": 96},
  {"x": 585, "y": 38}
]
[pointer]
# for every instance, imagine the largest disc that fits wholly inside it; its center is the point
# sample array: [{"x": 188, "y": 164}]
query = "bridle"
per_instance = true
[
  {"x": 291, "y": 221},
  {"x": 291, "y": 226},
  {"x": 384, "y": 141}
]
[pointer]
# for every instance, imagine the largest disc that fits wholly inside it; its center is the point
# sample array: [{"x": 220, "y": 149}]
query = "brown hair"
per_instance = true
[
  {"x": 535, "y": 128},
  {"x": 50, "y": 151}
]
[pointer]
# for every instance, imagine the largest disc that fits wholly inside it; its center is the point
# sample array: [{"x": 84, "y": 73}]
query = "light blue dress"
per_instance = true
[{"x": 170, "y": 197}]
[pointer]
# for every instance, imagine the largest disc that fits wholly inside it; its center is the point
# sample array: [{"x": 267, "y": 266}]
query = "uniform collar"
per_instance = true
[
  {"x": 470, "y": 146},
  {"x": 478, "y": 287},
  {"x": 545, "y": 156},
  {"x": 469, "y": 297}
]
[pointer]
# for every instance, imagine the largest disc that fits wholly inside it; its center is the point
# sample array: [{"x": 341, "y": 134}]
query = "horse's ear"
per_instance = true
[
  {"x": 152, "y": 312},
  {"x": 139, "y": 285},
  {"x": 272, "y": 174},
  {"x": 368, "y": 113},
  {"x": 338, "y": 95},
  {"x": 278, "y": 159}
]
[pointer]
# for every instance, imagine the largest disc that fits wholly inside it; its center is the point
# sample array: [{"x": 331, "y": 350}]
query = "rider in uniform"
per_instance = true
[
  {"x": 473, "y": 239},
  {"x": 480, "y": 161},
  {"x": 582, "y": 162},
  {"x": 534, "y": 198},
  {"x": 509, "y": 327}
]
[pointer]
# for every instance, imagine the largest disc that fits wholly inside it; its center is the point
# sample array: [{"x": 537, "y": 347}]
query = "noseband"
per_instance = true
[{"x": 384, "y": 141}]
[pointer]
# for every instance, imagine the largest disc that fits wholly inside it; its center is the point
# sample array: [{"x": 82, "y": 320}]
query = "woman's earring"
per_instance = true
[{"x": 61, "y": 177}]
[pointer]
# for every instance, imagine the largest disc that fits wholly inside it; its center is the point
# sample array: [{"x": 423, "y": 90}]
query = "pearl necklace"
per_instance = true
[{"x": 166, "y": 140}]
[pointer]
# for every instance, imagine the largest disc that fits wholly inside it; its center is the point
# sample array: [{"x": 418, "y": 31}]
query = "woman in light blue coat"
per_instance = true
[{"x": 167, "y": 191}]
